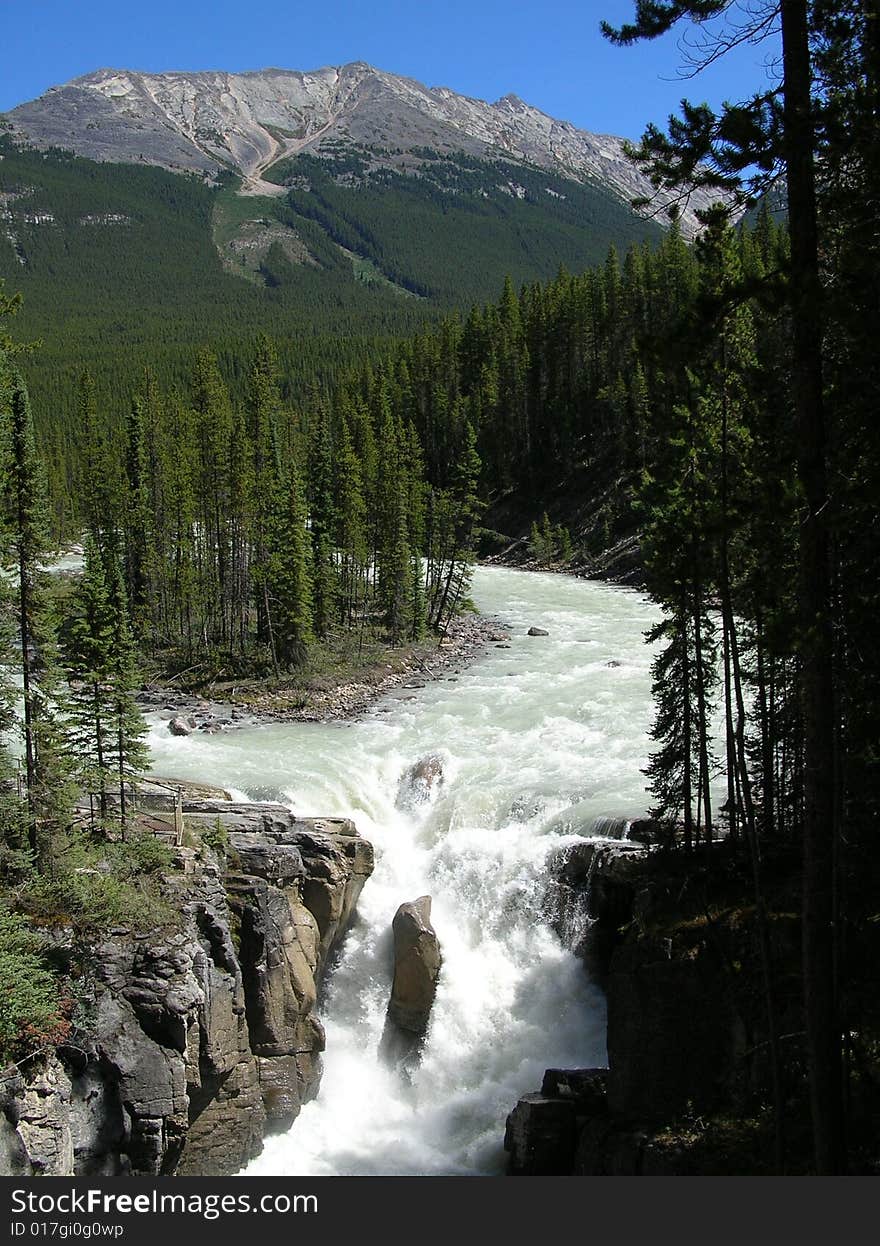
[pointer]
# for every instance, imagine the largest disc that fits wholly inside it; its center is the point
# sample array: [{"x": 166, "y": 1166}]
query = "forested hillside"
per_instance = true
[
  {"x": 126, "y": 267},
  {"x": 236, "y": 538},
  {"x": 120, "y": 270}
]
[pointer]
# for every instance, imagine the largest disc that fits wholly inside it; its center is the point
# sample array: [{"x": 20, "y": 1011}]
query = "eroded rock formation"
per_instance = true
[
  {"x": 417, "y": 962},
  {"x": 682, "y": 978},
  {"x": 202, "y": 1039}
]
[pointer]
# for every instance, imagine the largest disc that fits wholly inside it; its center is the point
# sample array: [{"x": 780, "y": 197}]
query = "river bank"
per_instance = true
[
  {"x": 341, "y": 691},
  {"x": 621, "y": 563}
]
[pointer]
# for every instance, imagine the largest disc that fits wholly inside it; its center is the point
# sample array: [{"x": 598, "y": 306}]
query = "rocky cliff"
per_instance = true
[
  {"x": 201, "y": 1040},
  {"x": 673, "y": 940}
]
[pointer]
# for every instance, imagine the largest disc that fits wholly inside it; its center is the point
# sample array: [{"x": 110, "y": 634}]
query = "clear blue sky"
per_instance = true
[{"x": 549, "y": 52}]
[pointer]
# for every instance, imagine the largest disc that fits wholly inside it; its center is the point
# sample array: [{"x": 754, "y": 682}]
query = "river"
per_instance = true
[{"x": 538, "y": 740}]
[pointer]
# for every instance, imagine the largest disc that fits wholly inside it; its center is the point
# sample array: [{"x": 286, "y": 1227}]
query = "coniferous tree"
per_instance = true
[
  {"x": 322, "y": 522},
  {"x": 289, "y": 575},
  {"x": 398, "y": 591},
  {"x": 53, "y": 796},
  {"x": 351, "y": 533},
  {"x": 738, "y": 151},
  {"x": 139, "y": 521},
  {"x": 128, "y": 752},
  {"x": 100, "y": 486},
  {"x": 263, "y": 415},
  {"x": 213, "y": 418},
  {"x": 457, "y": 513},
  {"x": 14, "y": 847},
  {"x": 29, "y": 548},
  {"x": 88, "y": 658}
]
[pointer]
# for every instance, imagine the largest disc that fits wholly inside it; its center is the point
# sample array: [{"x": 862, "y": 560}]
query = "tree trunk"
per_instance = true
[
  {"x": 817, "y": 682},
  {"x": 27, "y": 693},
  {"x": 120, "y": 745},
  {"x": 99, "y": 752},
  {"x": 687, "y": 747}
]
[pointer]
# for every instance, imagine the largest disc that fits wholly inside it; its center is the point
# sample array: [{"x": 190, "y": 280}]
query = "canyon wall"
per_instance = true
[{"x": 197, "y": 1041}]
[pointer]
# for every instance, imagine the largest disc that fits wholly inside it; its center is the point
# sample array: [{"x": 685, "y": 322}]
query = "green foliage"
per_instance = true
[
  {"x": 127, "y": 267},
  {"x": 216, "y": 838},
  {"x": 103, "y": 720},
  {"x": 92, "y": 887},
  {"x": 486, "y": 219},
  {"x": 32, "y": 1012},
  {"x": 139, "y": 854},
  {"x": 252, "y": 509},
  {"x": 25, "y": 545},
  {"x": 116, "y": 296},
  {"x": 683, "y": 679},
  {"x": 549, "y": 542},
  {"x": 289, "y": 576}
]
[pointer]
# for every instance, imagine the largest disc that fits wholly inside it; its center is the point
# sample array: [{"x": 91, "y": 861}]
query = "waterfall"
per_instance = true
[
  {"x": 537, "y": 743},
  {"x": 605, "y": 827}
]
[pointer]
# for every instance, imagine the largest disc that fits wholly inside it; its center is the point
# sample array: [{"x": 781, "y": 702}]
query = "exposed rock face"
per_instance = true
[
  {"x": 421, "y": 782},
  {"x": 622, "y": 563},
  {"x": 417, "y": 962},
  {"x": 684, "y": 1008},
  {"x": 540, "y": 1136},
  {"x": 204, "y": 1038},
  {"x": 161, "y": 794},
  {"x": 543, "y": 1129},
  {"x": 203, "y": 122},
  {"x": 604, "y": 902},
  {"x": 591, "y": 894},
  {"x": 337, "y": 864},
  {"x": 35, "y": 1125},
  {"x": 697, "y": 1040}
]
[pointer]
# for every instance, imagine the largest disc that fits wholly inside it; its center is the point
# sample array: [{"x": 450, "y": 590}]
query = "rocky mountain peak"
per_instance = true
[{"x": 212, "y": 120}]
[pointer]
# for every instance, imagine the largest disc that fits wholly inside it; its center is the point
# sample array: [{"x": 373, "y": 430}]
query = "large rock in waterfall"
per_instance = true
[
  {"x": 417, "y": 962},
  {"x": 421, "y": 782}
]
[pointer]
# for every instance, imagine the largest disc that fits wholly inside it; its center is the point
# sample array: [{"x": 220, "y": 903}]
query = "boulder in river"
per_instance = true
[
  {"x": 420, "y": 782},
  {"x": 417, "y": 962},
  {"x": 180, "y": 726},
  {"x": 538, "y": 631}
]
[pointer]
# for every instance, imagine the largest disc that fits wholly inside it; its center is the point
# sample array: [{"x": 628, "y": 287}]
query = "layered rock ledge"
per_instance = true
[{"x": 202, "y": 1040}]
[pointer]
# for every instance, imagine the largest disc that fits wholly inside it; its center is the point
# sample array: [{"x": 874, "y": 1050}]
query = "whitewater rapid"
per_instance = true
[{"x": 538, "y": 740}]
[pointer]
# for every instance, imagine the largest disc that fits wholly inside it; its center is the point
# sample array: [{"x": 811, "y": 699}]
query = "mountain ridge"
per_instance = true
[{"x": 208, "y": 121}]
